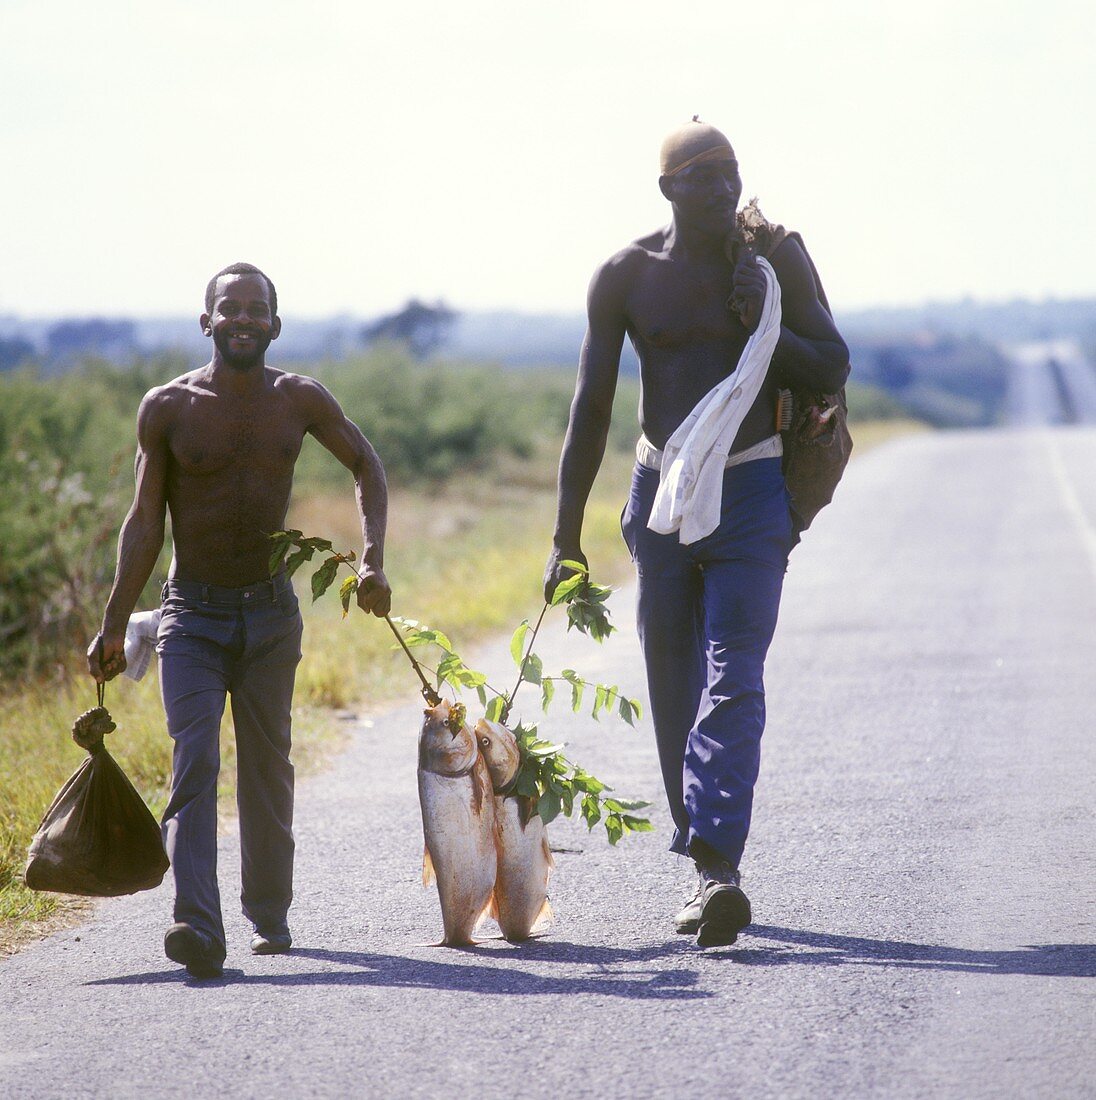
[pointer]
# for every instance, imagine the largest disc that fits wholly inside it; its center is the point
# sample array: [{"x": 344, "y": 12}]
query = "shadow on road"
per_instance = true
[
  {"x": 1063, "y": 960},
  {"x": 362, "y": 968},
  {"x": 787, "y": 947}
]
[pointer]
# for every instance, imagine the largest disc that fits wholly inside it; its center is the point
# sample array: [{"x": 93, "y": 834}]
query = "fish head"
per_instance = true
[
  {"x": 499, "y": 749},
  {"x": 446, "y": 744}
]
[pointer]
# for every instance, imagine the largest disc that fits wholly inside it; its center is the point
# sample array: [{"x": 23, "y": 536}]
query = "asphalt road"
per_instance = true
[{"x": 920, "y": 867}]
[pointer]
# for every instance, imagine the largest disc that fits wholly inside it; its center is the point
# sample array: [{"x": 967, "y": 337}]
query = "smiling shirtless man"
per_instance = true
[
  {"x": 707, "y": 609},
  {"x": 216, "y": 447}
]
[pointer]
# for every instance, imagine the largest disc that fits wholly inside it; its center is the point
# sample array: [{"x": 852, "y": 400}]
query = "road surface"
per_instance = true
[{"x": 920, "y": 866}]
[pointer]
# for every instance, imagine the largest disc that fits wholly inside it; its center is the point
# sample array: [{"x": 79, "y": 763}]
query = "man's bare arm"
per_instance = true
[
  {"x": 329, "y": 425},
  {"x": 810, "y": 354},
  {"x": 141, "y": 537},
  {"x": 591, "y": 414}
]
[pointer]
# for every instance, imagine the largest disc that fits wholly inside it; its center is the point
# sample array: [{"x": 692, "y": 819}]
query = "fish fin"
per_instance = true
[
  {"x": 487, "y": 912},
  {"x": 428, "y": 875},
  {"x": 482, "y": 790},
  {"x": 544, "y": 917}
]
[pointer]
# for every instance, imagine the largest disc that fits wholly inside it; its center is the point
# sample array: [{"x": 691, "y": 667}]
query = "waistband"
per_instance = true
[
  {"x": 647, "y": 454},
  {"x": 259, "y": 592}
]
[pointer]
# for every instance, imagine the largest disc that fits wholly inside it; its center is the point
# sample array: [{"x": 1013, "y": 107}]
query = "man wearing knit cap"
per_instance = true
[{"x": 723, "y": 310}]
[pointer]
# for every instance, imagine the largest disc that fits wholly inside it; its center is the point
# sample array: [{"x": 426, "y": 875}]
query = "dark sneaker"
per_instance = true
[
  {"x": 724, "y": 908},
  {"x": 687, "y": 920},
  {"x": 195, "y": 950},
  {"x": 271, "y": 943}
]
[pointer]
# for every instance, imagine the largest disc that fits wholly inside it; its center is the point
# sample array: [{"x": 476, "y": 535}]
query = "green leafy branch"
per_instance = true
[
  {"x": 305, "y": 550},
  {"x": 586, "y": 610},
  {"x": 556, "y": 786}
]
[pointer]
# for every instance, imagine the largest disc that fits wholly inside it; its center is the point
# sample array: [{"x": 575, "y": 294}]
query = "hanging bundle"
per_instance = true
[{"x": 98, "y": 838}]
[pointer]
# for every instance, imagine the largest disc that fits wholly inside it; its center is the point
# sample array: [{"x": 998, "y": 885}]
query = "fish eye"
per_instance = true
[{"x": 485, "y": 741}]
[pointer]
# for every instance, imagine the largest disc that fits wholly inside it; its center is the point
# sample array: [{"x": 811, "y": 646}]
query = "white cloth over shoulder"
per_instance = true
[
  {"x": 690, "y": 490},
  {"x": 141, "y": 642}
]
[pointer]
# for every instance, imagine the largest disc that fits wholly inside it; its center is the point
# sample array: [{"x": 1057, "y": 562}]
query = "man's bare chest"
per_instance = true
[
  {"x": 212, "y": 435},
  {"x": 675, "y": 307}
]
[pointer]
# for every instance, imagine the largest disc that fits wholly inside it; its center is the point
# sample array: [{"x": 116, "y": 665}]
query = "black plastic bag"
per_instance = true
[{"x": 98, "y": 837}]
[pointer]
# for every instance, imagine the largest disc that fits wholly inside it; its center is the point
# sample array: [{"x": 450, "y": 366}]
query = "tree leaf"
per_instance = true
[
  {"x": 637, "y": 824},
  {"x": 623, "y": 805},
  {"x": 297, "y": 559},
  {"x": 517, "y": 642},
  {"x": 566, "y": 590},
  {"x": 533, "y": 671},
  {"x": 576, "y": 695},
  {"x": 614, "y": 827},
  {"x": 495, "y": 708},
  {"x": 577, "y": 566},
  {"x": 599, "y": 699},
  {"x": 281, "y": 544},
  {"x": 549, "y": 806},
  {"x": 346, "y": 593},
  {"x": 323, "y": 577},
  {"x": 547, "y": 690}
]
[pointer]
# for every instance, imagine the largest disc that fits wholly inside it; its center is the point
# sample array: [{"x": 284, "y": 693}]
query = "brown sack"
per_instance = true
[
  {"x": 817, "y": 445},
  {"x": 98, "y": 837}
]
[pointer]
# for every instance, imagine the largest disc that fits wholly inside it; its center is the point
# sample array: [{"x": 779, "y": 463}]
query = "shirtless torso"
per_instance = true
[
  {"x": 217, "y": 449},
  {"x": 228, "y": 468},
  {"x": 669, "y": 292}
]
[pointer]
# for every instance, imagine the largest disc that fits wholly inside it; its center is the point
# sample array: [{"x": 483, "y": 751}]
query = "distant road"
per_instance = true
[
  {"x": 1052, "y": 382},
  {"x": 921, "y": 865}
]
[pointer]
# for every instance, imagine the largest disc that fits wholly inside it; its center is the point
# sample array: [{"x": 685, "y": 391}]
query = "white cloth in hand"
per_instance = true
[{"x": 141, "y": 642}]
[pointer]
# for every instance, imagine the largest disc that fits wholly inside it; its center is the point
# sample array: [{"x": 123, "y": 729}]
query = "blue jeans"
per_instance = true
[
  {"x": 706, "y": 615},
  {"x": 244, "y": 643}
]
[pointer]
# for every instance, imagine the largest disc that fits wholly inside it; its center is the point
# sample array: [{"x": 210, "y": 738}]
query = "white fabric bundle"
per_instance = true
[
  {"x": 690, "y": 489},
  {"x": 141, "y": 642}
]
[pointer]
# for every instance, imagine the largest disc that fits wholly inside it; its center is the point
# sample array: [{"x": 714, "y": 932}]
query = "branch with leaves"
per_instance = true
[{"x": 553, "y": 783}]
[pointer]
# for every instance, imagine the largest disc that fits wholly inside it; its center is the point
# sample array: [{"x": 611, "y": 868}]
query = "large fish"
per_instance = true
[
  {"x": 524, "y": 858},
  {"x": 458, "y": 821}
]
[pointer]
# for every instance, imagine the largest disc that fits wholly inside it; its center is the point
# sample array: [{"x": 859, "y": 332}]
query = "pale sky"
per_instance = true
[{"x": 492, "y": 153}]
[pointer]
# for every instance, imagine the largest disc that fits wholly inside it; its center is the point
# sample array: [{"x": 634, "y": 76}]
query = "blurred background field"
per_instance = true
[{"x": 471, "y": 451}]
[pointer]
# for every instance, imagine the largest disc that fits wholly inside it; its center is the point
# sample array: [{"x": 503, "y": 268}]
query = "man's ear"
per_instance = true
[
  {"x": 206, "y": 324},
  {"x": 666, "y": 186},
  {"x": 276, "y": 328}
]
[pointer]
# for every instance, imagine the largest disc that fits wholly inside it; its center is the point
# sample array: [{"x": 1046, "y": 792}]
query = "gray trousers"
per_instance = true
[{"x": 244, "y": 643}]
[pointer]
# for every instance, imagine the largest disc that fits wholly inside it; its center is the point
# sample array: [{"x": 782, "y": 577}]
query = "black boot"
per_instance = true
[
  {"x": 202, "y": 957},
  {"x": 724, "y": 908}
]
